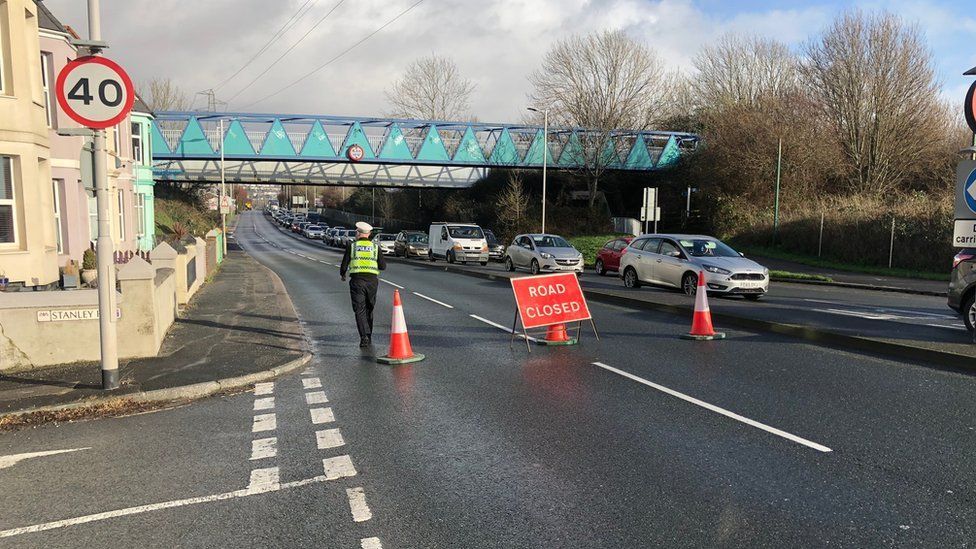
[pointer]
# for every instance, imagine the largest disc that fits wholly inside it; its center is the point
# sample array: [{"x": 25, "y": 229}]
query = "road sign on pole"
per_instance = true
[
  {"x": 649, "y": 209},
  {"x": 95, "y": 92}
]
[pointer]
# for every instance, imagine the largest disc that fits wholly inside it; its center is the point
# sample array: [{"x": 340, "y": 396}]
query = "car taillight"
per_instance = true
[{"x": 960, "y": 257}]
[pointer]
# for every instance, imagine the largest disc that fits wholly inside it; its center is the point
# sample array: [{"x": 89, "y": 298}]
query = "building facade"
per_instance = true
[{"x": 144, "y": 198}]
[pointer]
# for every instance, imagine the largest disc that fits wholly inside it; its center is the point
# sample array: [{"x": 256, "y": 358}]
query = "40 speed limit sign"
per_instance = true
[{"x": 95, "y": 92}]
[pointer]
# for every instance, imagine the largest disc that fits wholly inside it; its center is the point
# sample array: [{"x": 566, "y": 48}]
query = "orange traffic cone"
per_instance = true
[
  {"x": 556, "y": 335},
  {"x": 400, "y": 350},
  {"x": 701, "y": 324}
]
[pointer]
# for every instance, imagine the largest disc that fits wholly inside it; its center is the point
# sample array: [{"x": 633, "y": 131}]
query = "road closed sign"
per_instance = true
[
  {"x": 95, "y": 92},
  {"x": 549, "y": 299}
]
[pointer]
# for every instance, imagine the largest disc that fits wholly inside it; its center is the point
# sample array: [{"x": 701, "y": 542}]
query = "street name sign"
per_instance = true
[
  {"x": 549, "y": 299},
  {"x": 71, "y": 314},
  {"x": 95, "y": 92}
]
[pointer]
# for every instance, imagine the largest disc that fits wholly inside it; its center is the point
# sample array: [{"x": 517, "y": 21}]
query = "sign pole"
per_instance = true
[
  {"x": 779, "y": 164},
  {"x": 223, "y": 191},
  {"x": 104, "y": 248}
]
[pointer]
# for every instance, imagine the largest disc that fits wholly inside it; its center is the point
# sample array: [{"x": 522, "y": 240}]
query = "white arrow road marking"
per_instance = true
[
  {"x": 10, "y": 461},
  {"x": 972, "y": 191}
]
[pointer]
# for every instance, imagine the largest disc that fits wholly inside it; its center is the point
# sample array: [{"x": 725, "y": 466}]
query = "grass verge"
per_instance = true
[
  {"x": 589, "y": 245},
  {"x": 774, "y": 253},
  {"x": 799, "y": 276}
]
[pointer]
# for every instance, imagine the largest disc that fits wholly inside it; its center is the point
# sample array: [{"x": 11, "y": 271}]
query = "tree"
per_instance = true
[
  {"x": 873, "y": 79},
  {"x": 603, "y": 81},
  {"x": 742, "y": 70},
  {"x": 240, "y": 196},
  {"x": 512, "y": 206},
  {"x": 432, "y": 88},
  {"x": 162, "y": 94}
]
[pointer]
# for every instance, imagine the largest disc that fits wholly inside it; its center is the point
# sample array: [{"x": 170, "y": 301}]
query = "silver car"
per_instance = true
[
  {"x": 674, "y": 260},
  {"x": 543, "y": 253}
]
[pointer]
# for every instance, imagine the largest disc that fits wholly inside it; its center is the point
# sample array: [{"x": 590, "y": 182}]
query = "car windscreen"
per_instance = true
[
  {"x": 461, "y": 231},
  {"x": 313, "y": 228},
  {"x": 390, "y": 237},
  {"x": 415, "y": 238},
  {"x": 700, "y": 247},
  {"x": 548, "y": 241}
]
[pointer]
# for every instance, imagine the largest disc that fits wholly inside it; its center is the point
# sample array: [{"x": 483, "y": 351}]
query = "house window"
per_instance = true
[
  {"x": 3, "y": 52},
  {"x": 57, "y": 184},
  {"x": 8, "y": 207},
  {"x": 92, "y": 214},
  {"x": 46, "y": 88},
  {"x": 140, "y": 210},
  {"x": 121, "y": 216},
  {"x": 137, "y": 143}
]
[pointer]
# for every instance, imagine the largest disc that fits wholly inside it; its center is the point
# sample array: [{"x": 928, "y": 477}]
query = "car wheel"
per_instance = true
[
  {"x": 430, "y": 256},
  {"x": 689, "y": 284},
  {"x": 753, "y": 297},
  {"x": 630, "y": 278},
  {"x": 534, "y": 267},
  {"x": 484, "y": 263},
  {"x": 509, "y": 266},
  {"x": 600, "y": 270},
  {"x": 969, "y": 312},
  {"x": 450, "y": 257}
]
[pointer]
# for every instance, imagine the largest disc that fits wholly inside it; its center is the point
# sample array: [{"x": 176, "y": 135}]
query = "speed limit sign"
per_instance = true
[{"x": 95, "y": 92}]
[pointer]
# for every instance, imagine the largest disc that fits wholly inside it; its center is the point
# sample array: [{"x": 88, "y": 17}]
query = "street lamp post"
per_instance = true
[{"x": 545, "y": 158}]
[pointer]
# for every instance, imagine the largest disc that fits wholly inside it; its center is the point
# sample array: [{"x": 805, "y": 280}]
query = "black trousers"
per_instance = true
[{"x": 362, "y": 289}]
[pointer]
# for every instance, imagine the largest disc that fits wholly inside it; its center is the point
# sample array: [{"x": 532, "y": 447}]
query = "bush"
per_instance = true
[
  {"x": 88, "y": 260},
  {"x": 590, "y": 245}
]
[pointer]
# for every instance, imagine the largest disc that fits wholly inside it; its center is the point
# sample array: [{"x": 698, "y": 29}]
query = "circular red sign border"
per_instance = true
[
  {"x": 123, "y": 76},
  {"x": 969, "y": 107},
  {"x": 352, "y": 157}
]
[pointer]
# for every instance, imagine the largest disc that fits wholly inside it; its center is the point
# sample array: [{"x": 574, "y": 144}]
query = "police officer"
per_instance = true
[{"x": 363, "y": 261}]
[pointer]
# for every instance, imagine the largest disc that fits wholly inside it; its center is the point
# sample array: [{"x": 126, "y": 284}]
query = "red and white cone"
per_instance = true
[
  {"x": 400, "y": 350},
  {"x": 556, "y": 335},
  {"x": 701, "y": 324}
]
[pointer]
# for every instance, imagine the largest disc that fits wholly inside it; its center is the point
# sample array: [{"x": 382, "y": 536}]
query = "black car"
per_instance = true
[
  {"x": 496, "y": 249},
  {"x": 962, "y": 286}
]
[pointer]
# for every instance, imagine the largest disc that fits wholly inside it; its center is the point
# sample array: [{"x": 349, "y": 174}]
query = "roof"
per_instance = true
[
  {"x": 47, "y": 20},
  {"x": 140, "y": 106}
]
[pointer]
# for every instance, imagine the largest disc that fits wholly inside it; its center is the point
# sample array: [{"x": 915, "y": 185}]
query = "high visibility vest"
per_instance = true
[{"x": 362, "y": 259}]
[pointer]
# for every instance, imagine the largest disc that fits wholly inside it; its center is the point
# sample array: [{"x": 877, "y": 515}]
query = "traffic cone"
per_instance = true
[
  {"x": 400, "y": 350},
  {"x": 556, "y": 335},
  {"x": 701, "y": 324}
]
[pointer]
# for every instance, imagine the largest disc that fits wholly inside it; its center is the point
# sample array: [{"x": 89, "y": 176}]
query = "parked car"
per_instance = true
[
  {"x": 313, "y": 231},
  {"x": 608, "y": 258},
  {"x": 299, "y": 227},
  {"x": 496, "y": 249},
  {"x": 543, "y": 252},
  {"x": 457, "y": 242},
  {"x": 411, "y": 244},
  {"x": 385, "y": 242},
  {"x": 674, "y": 261},
  {"x": 347, "y": 237},
  {"x": 962, "y": 286}
]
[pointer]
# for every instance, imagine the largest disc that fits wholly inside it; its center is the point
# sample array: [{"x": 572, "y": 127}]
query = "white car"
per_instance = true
[
  {"x": 458, "y": 242},
  {"x": 385, "y": 242},
  {"x": 313, "y": 231},
  {"x": 674, "y": 260},
  {"x": 543, "y": 253}
]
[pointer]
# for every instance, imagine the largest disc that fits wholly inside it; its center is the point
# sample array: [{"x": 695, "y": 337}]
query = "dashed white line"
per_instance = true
[
  {"x": 433, "y": 300},
  {"x": 10, "y": 461},
  {"x": 502, "y": 328},
  {"x": 716, "y": 409},
  {"x": 261, "y": 389},
  {"x": 316, "y": 397},
  {"x": 322, "y": 415},
  {"x": 370, "y": 543},
  {"x": 329, "y": 438},
  {"x": 264, "y": 448},
  {"x": 265, "y": 403},
  {"x": 264, "y": 422},
  {"x": 338, "y": 467},
  {"x": 391, "y": 283},
  {"x": 264, "y": 480},
  {"x": 357, "y": 504},
  {"x": 312, "y": 383}
]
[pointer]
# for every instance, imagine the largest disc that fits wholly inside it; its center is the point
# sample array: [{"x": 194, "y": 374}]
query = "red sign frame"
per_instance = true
[
  {"x": 355, "y": 153},
  {"x": 550, "y": 299},
  {"x": 969, "y": 107},
  {"x": 114, "y": 67}
]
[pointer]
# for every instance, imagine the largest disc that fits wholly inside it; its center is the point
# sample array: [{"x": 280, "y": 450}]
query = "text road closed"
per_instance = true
[{"x": 549, "y": 299}]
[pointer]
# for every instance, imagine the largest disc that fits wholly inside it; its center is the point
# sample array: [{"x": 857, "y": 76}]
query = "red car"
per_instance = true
[{"x": 608, "y": 258}]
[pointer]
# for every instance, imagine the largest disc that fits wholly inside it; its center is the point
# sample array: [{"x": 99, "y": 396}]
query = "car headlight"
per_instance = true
[
  {"x": 716, "y": 270},
  {"x": 766, "y": 272},
  {"x": 546, "y": 255}
]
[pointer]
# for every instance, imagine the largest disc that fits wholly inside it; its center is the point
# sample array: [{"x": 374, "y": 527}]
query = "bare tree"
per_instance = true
[
  {"x": 162, "y": 94},
  {"x": 742, "y": 70},
  {"x": 873, "y": 77},
  {"x": 603, "y": 81},
  {"x": 432, "y": 88},
  {"x": 512, "y": 206}
]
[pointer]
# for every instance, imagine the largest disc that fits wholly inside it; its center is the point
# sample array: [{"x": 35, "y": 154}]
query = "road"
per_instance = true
[{"x": 640, "y": 439}]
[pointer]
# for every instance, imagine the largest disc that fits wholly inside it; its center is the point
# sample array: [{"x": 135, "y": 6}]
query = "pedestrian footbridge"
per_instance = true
[{"x": 386, "y": 152}]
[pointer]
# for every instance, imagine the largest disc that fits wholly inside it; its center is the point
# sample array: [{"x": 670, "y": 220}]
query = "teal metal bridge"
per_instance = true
[{"x": 313, "y": 150}]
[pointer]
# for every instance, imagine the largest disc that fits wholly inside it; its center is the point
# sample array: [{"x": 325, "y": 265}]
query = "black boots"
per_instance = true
[{"x": 364, "y": 342}]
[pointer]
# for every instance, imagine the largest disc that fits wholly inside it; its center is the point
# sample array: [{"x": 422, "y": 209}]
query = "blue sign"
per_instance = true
[{"x": 969, "y": 189}]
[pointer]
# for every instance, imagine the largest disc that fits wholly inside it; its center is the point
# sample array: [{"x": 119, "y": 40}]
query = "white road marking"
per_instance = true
[
  {"x": 316, "y": 397},
  {"x": 357, "y": 504},
  {"x": 158, "y": 506},
  {"x": 263, "y": 389},
  {"x": 264, "y": 480},
  {"x": 264, "y": 448},
  {"x": 312, "y": 383},
  {"x": 338, "y": 467},
  {"x": 433, "y": 300},
  {"x": 370, "y": 543},
  {"x": 716, "y": 409},
  {"x": 322, "y": 415},
  {"x": 10, "y": 461},
  {"x": 264, "y": 422},
  {"x": 502, "y": 328},
  {"x": 329, "y": 438},
  {"x": 266, "y": 403},
  {"x": 391, "y": 283},
  {"x": 308, "y": 371},
  {"x": 885, "y": 309},
  {"x": 857, "y": 314}
]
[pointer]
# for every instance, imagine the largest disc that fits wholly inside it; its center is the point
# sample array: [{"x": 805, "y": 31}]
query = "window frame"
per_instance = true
[
  {"x": 139, "y": 205},
  {"x": 135, "y": 133},
  {"x": 121, "y": 195},
  {"x": 56, "y": 185},
  {"x": 46, "y": 59},
  {"x": 11, "y": 202}
]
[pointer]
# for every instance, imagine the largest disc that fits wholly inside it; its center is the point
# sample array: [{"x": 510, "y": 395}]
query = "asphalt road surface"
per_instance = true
[{"x": 640, "y": 439}]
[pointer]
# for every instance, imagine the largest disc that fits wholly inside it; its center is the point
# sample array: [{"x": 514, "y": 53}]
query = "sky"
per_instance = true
[{"x": 495, "y": 43}]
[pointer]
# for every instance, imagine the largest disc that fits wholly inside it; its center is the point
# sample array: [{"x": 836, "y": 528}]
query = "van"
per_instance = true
[{"x": 457, "y": 242}]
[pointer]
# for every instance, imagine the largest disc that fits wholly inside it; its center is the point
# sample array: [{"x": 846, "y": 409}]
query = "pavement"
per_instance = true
[
  {"x": 240, "y": 323},
  {"x": 640, "y": 439}
]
